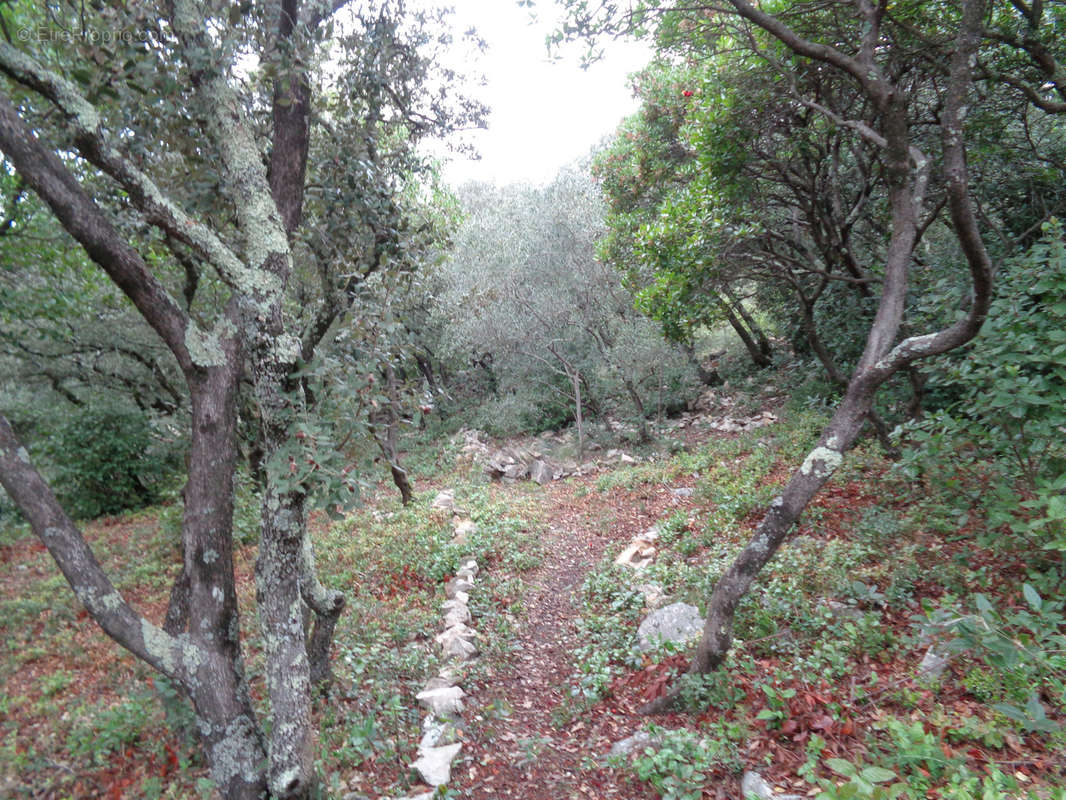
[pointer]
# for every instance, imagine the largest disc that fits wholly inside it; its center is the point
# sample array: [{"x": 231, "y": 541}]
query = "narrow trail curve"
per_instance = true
[{"x": 523, "y": 743}]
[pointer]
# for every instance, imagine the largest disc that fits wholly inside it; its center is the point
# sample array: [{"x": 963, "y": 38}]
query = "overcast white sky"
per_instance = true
[{"x": 543, "y": 115}]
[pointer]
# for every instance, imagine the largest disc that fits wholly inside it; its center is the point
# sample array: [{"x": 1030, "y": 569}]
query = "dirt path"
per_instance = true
[{"x": 527, "y": 743}]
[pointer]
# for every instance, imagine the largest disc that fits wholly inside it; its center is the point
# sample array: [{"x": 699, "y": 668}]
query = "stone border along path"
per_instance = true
[{"x": 441, "y": 697}]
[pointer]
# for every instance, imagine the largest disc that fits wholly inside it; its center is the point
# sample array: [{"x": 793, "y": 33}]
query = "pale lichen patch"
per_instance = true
[
  {"x": 761, "y": 543},
  {"x": 160, "y": 646},
  {"x": 205, "y": 348},
  {"x": 192, "y": 657},
  {"x": 210, "y": 556},
  {"x": 87, "y": 595},
  {"x": 282, "y": 783},
  {"x": 287, "y": 348},
  {"x": 112, "y": 601},
  {"x": 821, "y": 462},
  {"x": 908, "y": 348},
  {"x": 237, "y": 753},
  {"x": 22, "y": 455}
]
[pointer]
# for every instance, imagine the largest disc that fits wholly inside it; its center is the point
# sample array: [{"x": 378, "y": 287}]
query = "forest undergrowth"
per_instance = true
[{"x": 824, "y": 693}]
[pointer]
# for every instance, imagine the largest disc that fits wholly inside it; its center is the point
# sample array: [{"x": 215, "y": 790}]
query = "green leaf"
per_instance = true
[
  {"x": 842, "y": 767},
  {"x": 983, "y": 605},
  {"x": 1011, "y": 711},
  {"x": 878, "y": 774},
  {"x": 1032, "y": 597},
  {"x": 1034, "y": 708}
]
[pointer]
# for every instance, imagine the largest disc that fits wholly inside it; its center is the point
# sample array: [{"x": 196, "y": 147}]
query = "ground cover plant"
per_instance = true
[
  {"x": 824, "y": 692},
  {"x": 77, "y": 721}
]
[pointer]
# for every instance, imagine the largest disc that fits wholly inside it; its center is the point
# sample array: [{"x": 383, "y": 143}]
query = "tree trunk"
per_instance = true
[
  {"x": 575, "y": 380},
  {"x": 232, "y": 740},
  {"x": 880, "y": 359},
  {"x": 177, "y": 617},
  {"x": 708, "y": 377},
  {"x": 280, "y": 600},
  {"x": 390, "y": 447},
  {"x": 757, "y": 333},
  {"x": 837, "y": 377},
  {"x": 638, "y": 406},
  {"x": 759, "y": 357},
  {"x": 425, "y": 366}
]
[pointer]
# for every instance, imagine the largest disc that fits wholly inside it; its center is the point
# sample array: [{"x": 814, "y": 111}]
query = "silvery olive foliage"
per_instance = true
[{"x": 538, "y": 319}]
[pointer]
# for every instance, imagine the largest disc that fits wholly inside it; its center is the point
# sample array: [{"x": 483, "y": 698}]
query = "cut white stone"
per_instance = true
[
  {"x": 458, "y": 642},
  {"x": 437, "y": 733},
  {"x": 754, "y": 785},
  {"x": 679, "y": 623},
  {"x": 434, "y": 764},
  {"x": 442, "y": 702},
  {"x": 457, "y": 585},
  {"x": 457, "y": 616},
  {"x": 437, "y": 683},
  {"x": 933, "y": 665}
]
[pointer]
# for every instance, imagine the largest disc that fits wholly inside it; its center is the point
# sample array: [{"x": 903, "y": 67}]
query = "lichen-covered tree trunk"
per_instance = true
[
  {"x": 281, "y": 622},
  {"x": 231, "y": 737}
]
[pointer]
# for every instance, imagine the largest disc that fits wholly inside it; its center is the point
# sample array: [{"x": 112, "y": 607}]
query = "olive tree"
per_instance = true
[{"x": 524, "y": 284}]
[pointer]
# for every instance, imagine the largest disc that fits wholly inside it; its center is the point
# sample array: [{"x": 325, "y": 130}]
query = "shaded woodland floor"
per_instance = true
[{"x": 559, "y": 681}]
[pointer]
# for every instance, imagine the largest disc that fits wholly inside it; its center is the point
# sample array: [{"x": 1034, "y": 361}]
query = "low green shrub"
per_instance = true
[
  {"x": 106, "y": 459},
  {"x": 680, "y": 764}
]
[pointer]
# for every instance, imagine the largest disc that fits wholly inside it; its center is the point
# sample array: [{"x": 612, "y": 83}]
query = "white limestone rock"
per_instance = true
[
  {"x": 753, "y": 785},
  {"x": 444, "y": 500},
  {"x": 442, "y": 702},
  {"x": 679, "y": 623},
  {"x": 434, "y": 764},
  {"x": 458, "y": 642},
  {"x": 458, "y": 614},
  {"x": 457, "y": 585}
]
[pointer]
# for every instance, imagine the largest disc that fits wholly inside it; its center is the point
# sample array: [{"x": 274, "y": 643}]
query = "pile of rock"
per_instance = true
[
  {"x": 615, "y": 456},
  {"x": 474, "y": 445},
  {"x": 519, "y": 463},
  {"x": 729, "y": 424}
]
